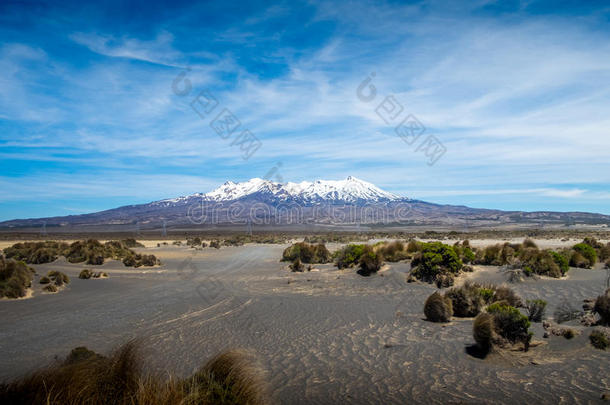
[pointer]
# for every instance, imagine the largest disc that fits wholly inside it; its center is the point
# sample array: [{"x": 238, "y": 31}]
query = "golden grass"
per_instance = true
[{"x": 232, "y": 377}]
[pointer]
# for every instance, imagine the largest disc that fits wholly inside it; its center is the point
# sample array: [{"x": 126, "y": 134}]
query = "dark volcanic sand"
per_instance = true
[{"x": 326, "y": 336}]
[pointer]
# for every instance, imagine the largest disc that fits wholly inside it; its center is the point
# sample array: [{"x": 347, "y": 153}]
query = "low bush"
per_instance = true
[
  {"x": 15, "y": 278},
  {"x": 599, "y": 340},
  {"x": 307, "y": 253},
  {"x": 44, "y": 280},
  {"x": 438, "y": 308},
  {"x": 535, "y": 309},
  {"x": 435, "y": 259},
  {"x": 348, "y": 256},
  {"x": 587, "y": 252}
]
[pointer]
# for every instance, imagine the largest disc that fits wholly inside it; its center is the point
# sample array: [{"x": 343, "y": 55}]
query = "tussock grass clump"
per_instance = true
[
  {"x": 508, "y": 295},
  {"x": 307, "y": 253},
  {"x": 471, "y": 298},
  {"x": 569, "y": 334},
  {"x": 85, "y": 274},
  {"x": 58, "y": 277},
  {"x": 599, "y": 340},
  {"x": 232, "y": 377},
  {"x": 370, "y": 261},
  {"x": 15, "y": 278},
  {"x": 131, "y": 243},
  {"x": 602, "y": 308},
  {"x": 215, "y": 244},
  {"x": 535, "y": 309},
  {"x": 482, "y": 330},
  {"x": 297, "y": 266},
  {"x": 85, "y": 377},
  {"x": 392, "y": 251},
  {"x": 468, "y": 300},
  {"x": 52, "y": 288},
  {"x": 438, "y": 308}
]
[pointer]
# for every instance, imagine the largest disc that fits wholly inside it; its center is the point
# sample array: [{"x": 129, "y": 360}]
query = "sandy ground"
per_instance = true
[{"x": 325, "y": 336}]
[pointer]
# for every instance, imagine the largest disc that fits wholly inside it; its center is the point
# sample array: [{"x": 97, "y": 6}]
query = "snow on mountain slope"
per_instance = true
[{"x": 349, "y": 190}]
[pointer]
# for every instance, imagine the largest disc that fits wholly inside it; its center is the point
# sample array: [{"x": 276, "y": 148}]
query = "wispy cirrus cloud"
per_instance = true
[{"x": 518, "y": 98}]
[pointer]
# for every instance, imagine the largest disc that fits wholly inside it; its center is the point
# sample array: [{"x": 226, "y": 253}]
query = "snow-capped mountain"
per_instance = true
[
  {"x": 323, "y": 203},
  {"x": 350, "y": 190}
]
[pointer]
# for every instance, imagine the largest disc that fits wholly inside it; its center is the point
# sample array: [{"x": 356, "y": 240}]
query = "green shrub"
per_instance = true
[
  {"x": 307, "y": 253},
  {"x": 435, "y": 259},
  {"x": 569, "y": 334},
  {"x": 588, "y": 252},
  {"x": 349, "y": 256},
  {"x": 483, "y": 330},
  {"x": 535, "y": 309},
  {"x": 599, "y": 340},
  {"x": 44, "y": 280},
  {"x": 15, "y": 278},
  {"x": 438, "y": 308},
  {"x": 510, "y": 324}
]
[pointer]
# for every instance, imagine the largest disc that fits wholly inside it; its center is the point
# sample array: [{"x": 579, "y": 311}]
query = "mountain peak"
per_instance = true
[{"x": 349, "y": 190}]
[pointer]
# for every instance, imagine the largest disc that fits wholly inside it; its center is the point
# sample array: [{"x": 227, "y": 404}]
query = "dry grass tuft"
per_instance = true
[{"x": 233, "y": 377}]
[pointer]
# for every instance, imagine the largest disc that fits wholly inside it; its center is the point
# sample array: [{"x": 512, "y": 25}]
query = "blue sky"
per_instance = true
[{"x": 518, "y": 93}]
